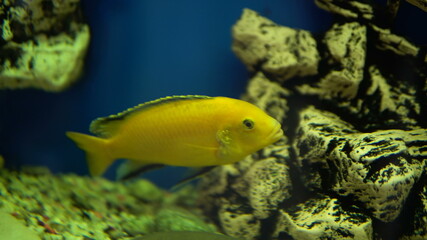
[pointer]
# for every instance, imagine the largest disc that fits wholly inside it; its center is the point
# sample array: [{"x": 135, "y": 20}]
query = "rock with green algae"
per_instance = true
[
  {"x": 14, "y": 229},
  {"x": 43, "y": 43},
  {"x": 185, "y": 235},
  {"x": 176, "y": 219},
  {"x": 74, "y": 207}
]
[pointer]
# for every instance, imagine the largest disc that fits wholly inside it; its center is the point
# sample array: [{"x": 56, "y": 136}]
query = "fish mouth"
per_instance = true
[{"x": 276, "y": 133}]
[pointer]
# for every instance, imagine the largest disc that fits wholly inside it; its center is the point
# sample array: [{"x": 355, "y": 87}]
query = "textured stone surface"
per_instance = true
[
  {"x": 358, "y": 163},
  {"x": 242, "y": 196},
  {"x": 322, "y": 218},
  {"x": 236, "y": 222},
  {"x": 268, "y": 95},
  {"x": 43, "y": 44},
  {"x": 377, "y": 169},
  {"x": 416, "y": 227},
  {"x": 349, "y": 9},
  {"x": 358, "y": 87},
  {"x": 73, "y": 207},
  {"x": 422, "y": 4},
  {"x": 388, "y": 41},
  {"x": 346, "y": 46},
  {"x": 281, "y": 51}
]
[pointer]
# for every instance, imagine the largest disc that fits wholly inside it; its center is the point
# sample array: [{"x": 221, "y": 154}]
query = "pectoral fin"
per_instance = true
[
  {"x": 206, "y": 148},
  {"x": 224, "y": 139}
]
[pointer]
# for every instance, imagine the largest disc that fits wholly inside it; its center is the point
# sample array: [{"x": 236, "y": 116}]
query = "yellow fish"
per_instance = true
[{"x": 189, "y": 131}]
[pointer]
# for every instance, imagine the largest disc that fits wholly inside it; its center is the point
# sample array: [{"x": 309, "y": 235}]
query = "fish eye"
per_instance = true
[{"x": 249, "y": 124}]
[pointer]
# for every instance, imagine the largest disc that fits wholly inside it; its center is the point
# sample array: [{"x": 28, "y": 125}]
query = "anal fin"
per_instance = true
[
  {"x": 132, "y": 169},
  {"x": 193, "y": 176}
]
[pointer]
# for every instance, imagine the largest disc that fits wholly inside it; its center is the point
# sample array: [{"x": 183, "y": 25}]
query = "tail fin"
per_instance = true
[{"x": 97, "y": 154}]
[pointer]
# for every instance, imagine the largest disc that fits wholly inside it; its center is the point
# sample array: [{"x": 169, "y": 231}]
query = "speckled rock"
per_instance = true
[
  {"x": 416, "y": 228},
  {"x": 377, "y": 169},
  {"x": 346, "y": 47},
  {"x": 322, "y": 218},
  {"x": 241, "y": 197},
  {"x": 388, "y": 41},
  {"x": 281, "y": 51},
  {"x": 350, "y": 9},
  {"x": 43, "y": 44},
  {"x": 358, "y": 163},
  {"x": 358, "y": 88},
  {"x": 394, "y": 101},
  {"x": 268, "y": 95},
  {"x": 244, "y": 195}
]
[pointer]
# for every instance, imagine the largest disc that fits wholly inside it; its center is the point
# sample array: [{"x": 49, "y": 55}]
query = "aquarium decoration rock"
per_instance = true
[
  {"x": 353, "y": 161},
  {"x": 376, "y": 169},
  {"x": 322, "y": 218},
  {"x": 44, "y": 206},
  {"x": 258, "y": 42},
  {"x": 42, "y": 45},
  {"x": 422, "y": 4},
  {"x": 349, "y": 9}
]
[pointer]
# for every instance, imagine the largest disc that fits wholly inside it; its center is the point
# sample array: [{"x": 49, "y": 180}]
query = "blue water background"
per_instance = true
[{"x": 142, "y": 50}]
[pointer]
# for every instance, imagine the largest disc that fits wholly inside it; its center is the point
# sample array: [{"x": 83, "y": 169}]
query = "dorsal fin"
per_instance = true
[{"x": 107, "y": 126}]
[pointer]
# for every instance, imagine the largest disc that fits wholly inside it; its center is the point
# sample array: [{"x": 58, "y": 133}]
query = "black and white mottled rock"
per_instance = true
[
  {"x": 244, "y": 194},
  {"x": 268, "y": 95},
  {"x": 346, "y": 50},
  {"x": 43, "y": 44},
  {"x": 276, "y": 50},
  {"x": 352, "y": 9},
  {"x": 388, "y": 41},
  {"x": 241, "y": 196},
  {"x": 422, "y": 4},
  {"x": 418, "y": 228},
  {"x": 237, "y": 221},
  {"x": 366, "y": 156},
  {"x": 394, "y": 102},
  {"x": 415, "y": 224},
  {"x": 377, "y": 169},
  {"x": 322, "y": 218}
]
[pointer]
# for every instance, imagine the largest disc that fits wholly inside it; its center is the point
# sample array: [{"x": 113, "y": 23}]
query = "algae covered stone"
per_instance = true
[
  {"x": 75, "y": 207},
  {"x": 174, "y": 219},
  {"x": 13, "y": 229},
  {"x": 43, "y": 44},
  {"x": 184, "y": 235}
]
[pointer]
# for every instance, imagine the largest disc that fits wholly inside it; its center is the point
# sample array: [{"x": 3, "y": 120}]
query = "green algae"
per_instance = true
[
  {"x": 185, "y": 235},
  {"x": 178, "y": 219},
  {"x": 75, "y": 207},
  {"x": 11, "y": 228}
]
